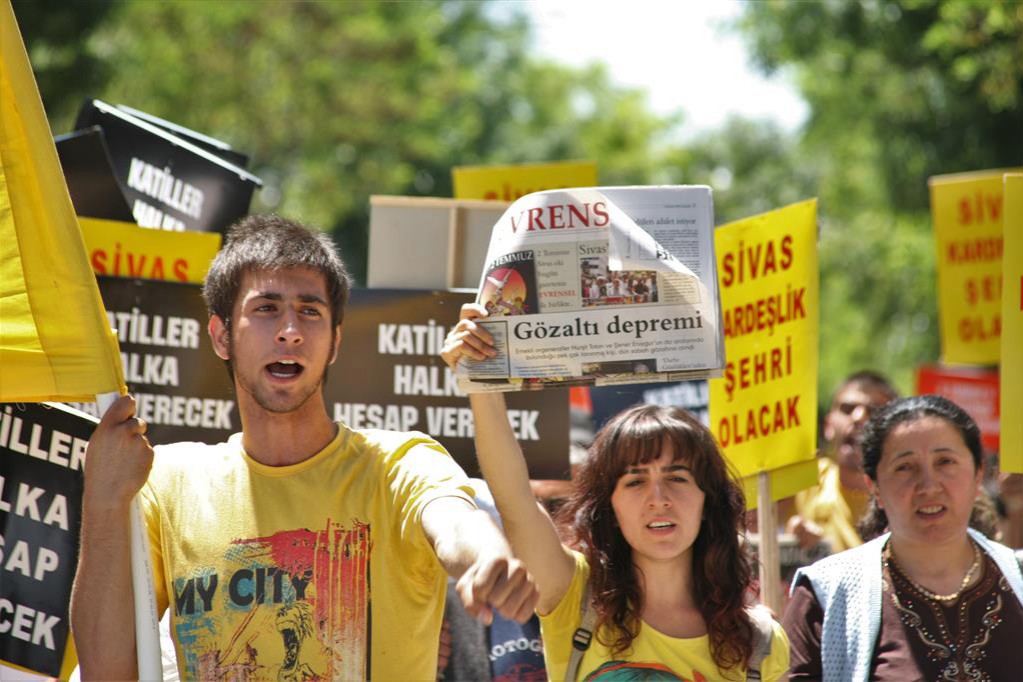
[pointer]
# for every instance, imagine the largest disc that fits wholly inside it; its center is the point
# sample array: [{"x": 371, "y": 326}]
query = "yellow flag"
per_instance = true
[{"x": 55, "y": 341}]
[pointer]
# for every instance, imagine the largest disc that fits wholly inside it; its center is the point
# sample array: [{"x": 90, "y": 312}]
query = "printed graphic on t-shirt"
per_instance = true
[
  {"x": 290, "y": 606},
  {"x": 621, "y": 671},
  {"x": 516, "y": 650}
]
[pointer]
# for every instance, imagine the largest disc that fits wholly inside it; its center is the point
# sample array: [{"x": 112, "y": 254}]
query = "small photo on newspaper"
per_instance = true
[{"x": 600, "y": 286}]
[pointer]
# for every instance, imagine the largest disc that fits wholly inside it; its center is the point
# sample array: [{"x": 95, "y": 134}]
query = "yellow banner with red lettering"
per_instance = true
[
  {"x": 1011, "y": 369},
  {"x": 127, "y": 250},
  {"x": 508, "y": 183},
  {"x": 763, "y": 411},
  {"x": 967, "y": 212}
]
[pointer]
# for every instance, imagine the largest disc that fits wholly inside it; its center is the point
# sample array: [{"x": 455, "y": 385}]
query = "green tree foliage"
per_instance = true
[
  {"x": 55, "y": 34},
  {"x": 752, "y": 166},
  {"x": 898, "y": 92},
  {"x": 336, "y": 101}
]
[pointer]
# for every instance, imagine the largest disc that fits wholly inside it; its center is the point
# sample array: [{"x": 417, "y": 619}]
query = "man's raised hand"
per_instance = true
[{"x": 119, "y": 457}]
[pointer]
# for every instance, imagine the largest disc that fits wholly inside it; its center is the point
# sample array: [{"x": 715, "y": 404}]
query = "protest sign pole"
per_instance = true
[
  {"x": 456, "y": 246},
  {"x": 147, "y": 627},
  {"x": 770, "y": 560}
]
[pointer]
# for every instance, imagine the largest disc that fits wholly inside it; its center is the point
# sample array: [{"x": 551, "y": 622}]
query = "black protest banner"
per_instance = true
[
  {"x": 181, "y": 387},
  {"x": 169, "y": 182},
  {"x": 90, "y": 176},
  {"x": 689, "y": 395},
  {"x": 42, "y": 453},
  {"x": 389, "y": 375},
  {"x": 210, "y": 144}
]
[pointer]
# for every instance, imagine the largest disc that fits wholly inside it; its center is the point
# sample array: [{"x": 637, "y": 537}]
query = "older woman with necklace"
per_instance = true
[{"x": 929, "y": 600}]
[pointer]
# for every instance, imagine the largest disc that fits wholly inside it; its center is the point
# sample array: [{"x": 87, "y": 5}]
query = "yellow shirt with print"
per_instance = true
[
  {"x": 835, "y": 509},
  {"x": 653, "y": 655},
  {"x": 316, "y": 570}
]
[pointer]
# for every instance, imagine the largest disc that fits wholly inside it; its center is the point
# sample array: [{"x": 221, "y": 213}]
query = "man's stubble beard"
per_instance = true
[
  {"x": 267, "y": 405},
  {"x": 243, "y": 385}
]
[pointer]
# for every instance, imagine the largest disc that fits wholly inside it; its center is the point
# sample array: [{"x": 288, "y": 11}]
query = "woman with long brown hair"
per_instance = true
[{"x": 654, "y": 558}]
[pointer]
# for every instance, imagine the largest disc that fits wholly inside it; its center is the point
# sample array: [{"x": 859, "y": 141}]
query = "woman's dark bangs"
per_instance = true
[
  {"x": 644, "y": 437},
  {"x": 638, "y": 442}
]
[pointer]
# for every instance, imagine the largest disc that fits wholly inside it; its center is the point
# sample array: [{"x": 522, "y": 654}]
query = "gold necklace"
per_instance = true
[{"x": 887, "y": 556}]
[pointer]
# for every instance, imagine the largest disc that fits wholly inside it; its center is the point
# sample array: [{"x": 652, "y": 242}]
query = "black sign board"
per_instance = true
[
  {"x": 42, "y": 453},
  {"x": 90, "y": 176},
  {"x": 181, "y": 387},
  {"x": 169, "y": 182},
  {"x": 210, "y": 144},
  {"x": 610, "y": 400},
  {"x": 387, "y": 375}
]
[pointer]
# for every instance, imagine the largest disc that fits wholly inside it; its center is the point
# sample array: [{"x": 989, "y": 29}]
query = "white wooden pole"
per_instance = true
[
  {"x": 147, "y": 633},
  {"x": 770, "y": 559}
]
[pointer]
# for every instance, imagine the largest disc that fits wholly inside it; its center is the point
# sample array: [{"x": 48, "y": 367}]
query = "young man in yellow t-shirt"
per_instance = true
[
  {"x": 831, "y": 510},
  {"x": 299, "y": 548}
]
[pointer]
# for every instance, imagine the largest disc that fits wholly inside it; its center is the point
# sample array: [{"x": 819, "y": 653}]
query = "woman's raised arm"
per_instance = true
[{"x": 529, "y": 529}]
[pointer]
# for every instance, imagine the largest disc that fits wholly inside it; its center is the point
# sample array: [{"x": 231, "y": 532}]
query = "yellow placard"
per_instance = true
[
  {"x": 508, "y": 183},
  {"x": 785, "y": 482},
  {"x": 126, "y": 250},
  {"x": 967, "y": 212},
  {"x": 763, "y": 411},
  {"x": 1011, "y": 369}
]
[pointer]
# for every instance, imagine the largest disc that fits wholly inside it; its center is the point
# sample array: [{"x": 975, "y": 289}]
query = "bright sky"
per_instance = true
[{"x": 678, "y": 51}]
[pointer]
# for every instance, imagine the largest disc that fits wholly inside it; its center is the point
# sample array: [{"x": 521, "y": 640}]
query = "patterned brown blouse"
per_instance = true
[{"x": 978, "y": 637}]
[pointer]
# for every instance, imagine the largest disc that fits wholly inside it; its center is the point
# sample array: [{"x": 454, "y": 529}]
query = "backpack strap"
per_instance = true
[
  {"x": 763, "y": 633},
  {"x": 583, "y": 635}
]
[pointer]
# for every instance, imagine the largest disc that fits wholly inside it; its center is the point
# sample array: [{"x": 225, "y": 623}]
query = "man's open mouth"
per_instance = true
[{"x": 284, "y": 369}]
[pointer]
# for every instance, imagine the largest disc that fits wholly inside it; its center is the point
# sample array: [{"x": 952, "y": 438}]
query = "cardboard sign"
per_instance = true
[
  {"x": 764, "y": 410},
  {"x": 447, "y": 237},
  {"x": 42, "y": 453},
  {"x": 508, "y": 183},
  {"x": 973, "y": 389},
  {"x": 967, "y": 213},
  {"x": 169, "y": 182},
  {"x": 388, "y": 374},
  {"x": 127, "y": 250},
  {"x": 1011, "y": 452}
]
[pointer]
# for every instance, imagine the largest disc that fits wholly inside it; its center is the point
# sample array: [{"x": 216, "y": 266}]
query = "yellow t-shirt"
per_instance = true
[
  {"x": 319, "y": 570},
  {"x": 833, "y": 508},
  {"x": 653, "y": 656}
]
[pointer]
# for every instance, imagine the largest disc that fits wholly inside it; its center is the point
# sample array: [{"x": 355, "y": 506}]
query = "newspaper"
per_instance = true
[{"x": 600, "y": 286}]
